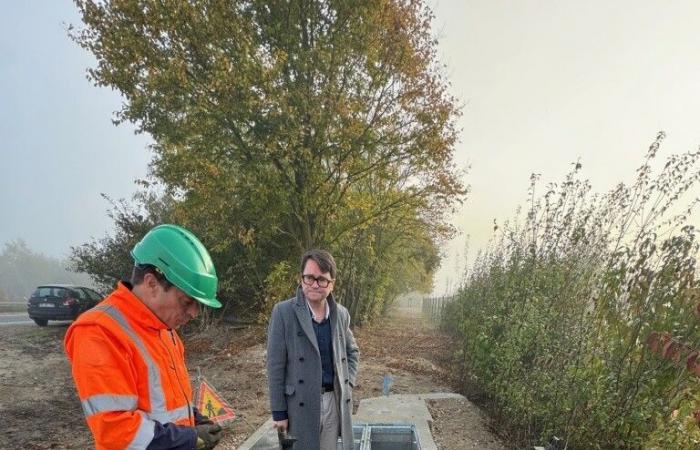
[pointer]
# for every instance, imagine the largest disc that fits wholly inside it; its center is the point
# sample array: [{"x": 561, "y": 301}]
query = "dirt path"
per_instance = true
[{"x": 40, "y": 410}]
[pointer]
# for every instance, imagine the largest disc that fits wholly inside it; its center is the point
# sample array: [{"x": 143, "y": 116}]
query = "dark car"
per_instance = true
[{"x": 60, "y": 302}]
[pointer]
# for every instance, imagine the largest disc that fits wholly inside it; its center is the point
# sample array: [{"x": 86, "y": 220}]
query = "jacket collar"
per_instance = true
[
  {"x": 301, "y": 309},
  {"x": 137, "y": 311}
]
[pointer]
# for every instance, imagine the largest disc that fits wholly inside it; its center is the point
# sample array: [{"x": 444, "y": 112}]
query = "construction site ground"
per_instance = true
[{"x": 40, "y": 409}]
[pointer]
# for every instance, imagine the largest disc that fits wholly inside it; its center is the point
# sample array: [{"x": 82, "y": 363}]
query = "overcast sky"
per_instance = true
[
  {"x": 543, "y": 83},
  {"x": 546, "y": 82},
  {"x": 58, "y": 147}
]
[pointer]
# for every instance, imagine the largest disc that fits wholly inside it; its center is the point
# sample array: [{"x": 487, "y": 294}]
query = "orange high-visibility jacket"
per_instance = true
[{"x": 129, "y": 369}]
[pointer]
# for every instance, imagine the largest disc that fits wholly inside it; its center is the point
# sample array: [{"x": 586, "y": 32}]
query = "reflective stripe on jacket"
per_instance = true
[{"x": 129, "y": 370}]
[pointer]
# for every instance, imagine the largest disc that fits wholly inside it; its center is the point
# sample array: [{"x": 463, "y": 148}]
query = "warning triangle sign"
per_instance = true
[{"x": 211, "y": 404}]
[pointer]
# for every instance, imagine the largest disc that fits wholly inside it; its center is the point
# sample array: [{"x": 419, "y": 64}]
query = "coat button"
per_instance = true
[
  {"x": 299, "y": 333},
  {"x": 301, "y": 404},
  {"x": 347, "y": 401},
  {"x": 301, "y": 359},
  {"x": 347, "y": 381},
  {"x": 301, "y": 381},
  {"x": 343, "y": 359}
]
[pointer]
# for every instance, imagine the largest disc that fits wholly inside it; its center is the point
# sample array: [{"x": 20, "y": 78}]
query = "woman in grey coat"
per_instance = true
[{"x": 312, "y": 360}]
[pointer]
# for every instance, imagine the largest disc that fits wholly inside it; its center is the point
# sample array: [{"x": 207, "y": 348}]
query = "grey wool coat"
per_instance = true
[{"x": 294, "y": 369}]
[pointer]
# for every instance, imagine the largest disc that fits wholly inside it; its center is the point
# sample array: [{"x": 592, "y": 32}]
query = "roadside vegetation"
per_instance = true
[
  {"x": 23, "y": 269},
  {"x": 278, "y": 127},
  {"x": 581, "y": 318}
]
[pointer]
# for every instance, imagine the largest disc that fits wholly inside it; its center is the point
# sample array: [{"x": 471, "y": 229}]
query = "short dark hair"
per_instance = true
[
  {"x": 140, "y": 271},
  {"x": 324, "y": 260}
]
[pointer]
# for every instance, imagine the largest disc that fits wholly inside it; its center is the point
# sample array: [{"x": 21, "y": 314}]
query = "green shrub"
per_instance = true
[{"x": 555, "y": 315}]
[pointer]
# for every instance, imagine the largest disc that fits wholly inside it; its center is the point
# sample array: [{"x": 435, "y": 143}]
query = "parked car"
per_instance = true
[{"x": 60, "y": 302}]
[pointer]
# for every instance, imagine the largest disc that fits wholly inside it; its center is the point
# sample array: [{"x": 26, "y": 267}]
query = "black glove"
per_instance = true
[
  {"x": 205, "y": 420},
  {"x": 208, "y": 435},
  {"x": 200, "y": 419}
]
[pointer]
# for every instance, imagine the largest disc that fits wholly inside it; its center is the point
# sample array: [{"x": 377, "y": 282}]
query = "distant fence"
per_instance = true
[
  {"x": 410, "y": 302},
  {"x": 433, "y": 307}
]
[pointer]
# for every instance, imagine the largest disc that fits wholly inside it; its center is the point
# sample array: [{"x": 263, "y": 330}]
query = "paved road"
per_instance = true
[
  {"x": 23, "y": 319},
  {"x": 15, "y": 319}
]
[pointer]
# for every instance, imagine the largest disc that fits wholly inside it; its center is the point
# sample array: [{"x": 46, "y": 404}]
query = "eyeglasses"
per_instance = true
[{"x": 323, "y": 282}]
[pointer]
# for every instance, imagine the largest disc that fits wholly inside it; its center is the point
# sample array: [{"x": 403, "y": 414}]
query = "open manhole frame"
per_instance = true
[{"x": 363, "y": 434}]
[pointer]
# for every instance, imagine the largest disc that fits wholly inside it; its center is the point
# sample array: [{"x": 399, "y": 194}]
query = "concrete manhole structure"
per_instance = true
[{"x": 394, "y": 422}]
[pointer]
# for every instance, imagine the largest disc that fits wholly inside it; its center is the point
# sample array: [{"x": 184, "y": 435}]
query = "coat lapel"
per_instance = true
[
  {"x": 333, "y": 316},
  {"x": 304, "y": 317}
]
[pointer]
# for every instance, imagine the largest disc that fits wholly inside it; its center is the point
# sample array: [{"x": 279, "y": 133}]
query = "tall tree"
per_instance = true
[
  {"x": 282, "y": 125},
  {"x": 108, "y": 259}
]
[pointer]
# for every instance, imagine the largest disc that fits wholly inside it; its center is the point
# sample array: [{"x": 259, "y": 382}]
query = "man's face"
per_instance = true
[
  {"x": 175, "y": 308},
  {"x": 313, "y": 292}
]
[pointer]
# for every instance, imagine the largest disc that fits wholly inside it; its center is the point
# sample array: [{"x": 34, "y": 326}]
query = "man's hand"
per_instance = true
[
  {"x": 281, "y": 424},
  {"x": 208, "y": 435},
  {"x": 205, "y": 420}
]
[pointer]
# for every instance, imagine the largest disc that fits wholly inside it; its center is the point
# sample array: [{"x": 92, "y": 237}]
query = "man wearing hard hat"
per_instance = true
[{"x": 127, "y": 359}]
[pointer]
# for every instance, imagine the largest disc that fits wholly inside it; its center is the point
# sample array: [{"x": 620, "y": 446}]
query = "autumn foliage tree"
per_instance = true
[{"x": 285, "y": 125}]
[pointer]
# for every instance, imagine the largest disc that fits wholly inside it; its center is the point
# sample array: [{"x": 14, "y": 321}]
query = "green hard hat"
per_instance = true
[{"x": 184, "y": 261}]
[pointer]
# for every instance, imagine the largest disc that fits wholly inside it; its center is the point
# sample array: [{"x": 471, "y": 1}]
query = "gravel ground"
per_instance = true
[{"x": 40, "y": 410}]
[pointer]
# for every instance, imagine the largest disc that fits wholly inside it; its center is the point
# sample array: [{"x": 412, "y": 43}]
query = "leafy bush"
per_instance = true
[{"x": 556, "y": 314}]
